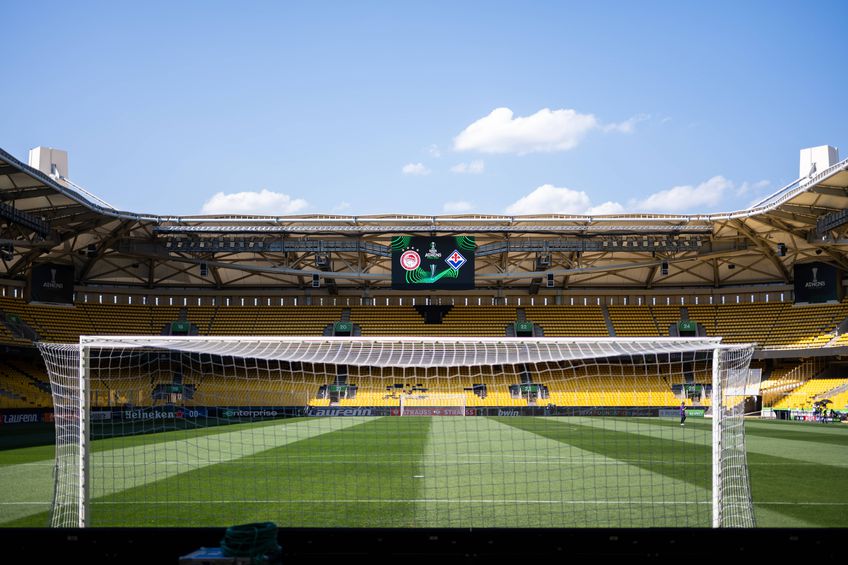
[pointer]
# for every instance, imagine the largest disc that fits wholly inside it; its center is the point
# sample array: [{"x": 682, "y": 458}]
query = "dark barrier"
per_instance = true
[
  {"x": 14, "y": 417},
  {"x": 317, "y": 411}
]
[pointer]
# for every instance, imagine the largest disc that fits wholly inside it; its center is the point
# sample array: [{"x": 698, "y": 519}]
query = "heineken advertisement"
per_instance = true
[
  {"x": 817, "y": 282},
  {"x": 433, "y": 263}
]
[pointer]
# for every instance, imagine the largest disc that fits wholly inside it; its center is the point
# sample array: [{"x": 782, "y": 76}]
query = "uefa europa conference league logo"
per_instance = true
[
  {"x": 815, "y": 283},
  {"x": 53, "y": 283}
]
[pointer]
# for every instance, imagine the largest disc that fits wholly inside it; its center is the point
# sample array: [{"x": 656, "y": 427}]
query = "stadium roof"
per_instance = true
[{"x": 49, "y": 219}]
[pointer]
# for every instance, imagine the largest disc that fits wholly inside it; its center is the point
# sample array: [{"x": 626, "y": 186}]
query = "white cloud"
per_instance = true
[
  {"x": 627, "y": 126},
  {"x": 473, "y": 168},
  {"x": 264, "y": 202},
  {"x": 545, "y": 131},
  {"x": 708, "y": 194},
  {"x": 415, "y": 169},
  {"x": 549, "y": 199},
  {"x": 457, "y": 207},
  {"x": 704, "y": 197},
  {"x": 341, "y": 206},
  {"x": 434, "y": 151},
  {"x": 606, "y": 208}
]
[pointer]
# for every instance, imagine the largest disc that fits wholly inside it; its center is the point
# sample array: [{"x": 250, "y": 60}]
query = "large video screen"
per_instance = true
[
  {"x": 433, "y": 263},
  {"x": 51, "y": 283},
  {"x": 817, "y": 282}
]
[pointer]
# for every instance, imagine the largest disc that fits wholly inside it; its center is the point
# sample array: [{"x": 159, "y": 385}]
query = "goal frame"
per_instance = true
[
  {"x": 440, "y": 397},
  {"x": 87, "y": 343}
]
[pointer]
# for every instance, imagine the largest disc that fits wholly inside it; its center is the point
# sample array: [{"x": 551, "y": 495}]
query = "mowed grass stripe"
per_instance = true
[
  {"x": 656, "y": 452},
  {"x": 26, "y": 474},
  {"x": 116, "y": 470},
  {"x": 695, "y": 431},
  {"x": 137, "y": 434},
  {"x": 287, "y": 485},
  {"x": 813, "y": 442},
  {"x": 803, "y": 477},
  {"x": 792, "y": 493},
  {"x": 154, "y": 457},
  {"x": 797, "y": 470},
  {"x": 539, "y": 481},
  {"x": 832, "y": 433},
  {"x": 44, "y": 454},
  {"x": 25, "y": 490}
]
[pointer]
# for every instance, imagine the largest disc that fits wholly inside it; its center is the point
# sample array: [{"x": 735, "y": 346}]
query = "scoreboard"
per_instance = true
[
  {"x": 51, "y": 284},
  {"x": 433, "y": 263},
  {"x": 817, "y": 282}
]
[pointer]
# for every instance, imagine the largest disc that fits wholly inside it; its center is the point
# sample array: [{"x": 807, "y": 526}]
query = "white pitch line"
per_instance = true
[
  {"x": 554, "y": 460},
  {"x": 407, "y": 500},
  {"x": 441, "y": 462},
  {"x": 801, "y": 503}
]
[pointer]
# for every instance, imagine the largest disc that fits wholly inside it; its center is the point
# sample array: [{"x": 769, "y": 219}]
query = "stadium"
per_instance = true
[{"x": 402, "y": 371}]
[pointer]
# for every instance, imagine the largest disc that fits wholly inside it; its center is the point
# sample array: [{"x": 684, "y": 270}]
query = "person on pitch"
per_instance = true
[{"x": 682, "y": 412}]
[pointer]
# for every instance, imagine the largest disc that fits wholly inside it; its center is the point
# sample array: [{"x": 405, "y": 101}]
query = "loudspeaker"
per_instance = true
[
  {"x": 664, "y": 268},
  {"x": 550, "y": 280},
  {"x": 316, "y": 281}
]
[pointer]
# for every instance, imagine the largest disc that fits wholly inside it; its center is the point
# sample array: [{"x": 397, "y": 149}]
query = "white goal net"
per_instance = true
[{"x": 306, "y": 432}]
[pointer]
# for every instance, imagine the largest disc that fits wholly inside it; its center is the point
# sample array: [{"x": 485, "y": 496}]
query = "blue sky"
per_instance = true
[{"x": 436, "y": 107}]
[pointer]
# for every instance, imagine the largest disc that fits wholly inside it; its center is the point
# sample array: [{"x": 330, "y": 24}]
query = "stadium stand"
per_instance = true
[
  {"x": 633, "y": 321},
  {"x": 769, "y": 325},
  {"x": 569, "y": 321},
  {"x": 808, "y": 393},
  {"x": 783, "y": 380},
  {"x": 23, "y": 385},
  {"x": 267, "y": 320},
  {"x": 665, "y": 316}
]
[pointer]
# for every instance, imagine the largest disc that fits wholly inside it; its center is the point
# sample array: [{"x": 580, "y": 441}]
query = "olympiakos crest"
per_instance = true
[
  {"x": 410, "y": 260},
  {"x": 455, "y": 260}
]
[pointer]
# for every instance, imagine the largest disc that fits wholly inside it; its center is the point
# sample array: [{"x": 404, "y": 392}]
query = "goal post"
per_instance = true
[
  {"x": 557, "y": 432},
  {"x": 432, "y": 404}
]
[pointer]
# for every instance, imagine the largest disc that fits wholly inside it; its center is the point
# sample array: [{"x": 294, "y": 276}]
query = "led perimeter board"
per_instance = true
[{"x": 433, "y": 263}]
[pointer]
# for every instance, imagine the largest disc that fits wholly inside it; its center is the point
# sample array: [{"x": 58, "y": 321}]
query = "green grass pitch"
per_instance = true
[{"x": 440, "y": 472}]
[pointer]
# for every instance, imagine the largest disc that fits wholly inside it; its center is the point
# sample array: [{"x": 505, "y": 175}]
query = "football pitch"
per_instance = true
[{"x": 440, "y": 472}]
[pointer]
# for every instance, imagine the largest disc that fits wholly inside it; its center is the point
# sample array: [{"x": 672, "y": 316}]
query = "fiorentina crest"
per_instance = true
[{"x": 455, "y": 260}]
